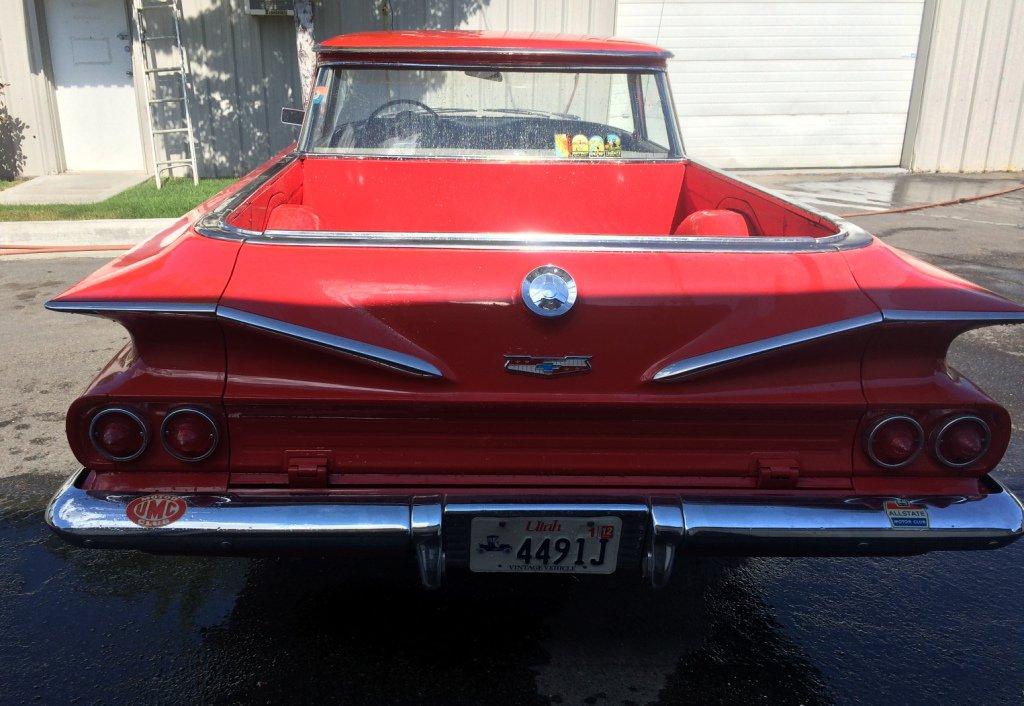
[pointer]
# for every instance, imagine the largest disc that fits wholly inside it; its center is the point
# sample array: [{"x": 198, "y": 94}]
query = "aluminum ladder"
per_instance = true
[{"x": 156, "y": 93}]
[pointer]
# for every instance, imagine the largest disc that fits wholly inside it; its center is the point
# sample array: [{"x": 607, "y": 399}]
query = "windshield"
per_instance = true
[{"x": 486, "y": 113}]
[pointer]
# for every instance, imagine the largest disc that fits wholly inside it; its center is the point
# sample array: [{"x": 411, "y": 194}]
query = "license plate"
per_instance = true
[{"x": 556, "y": 545}]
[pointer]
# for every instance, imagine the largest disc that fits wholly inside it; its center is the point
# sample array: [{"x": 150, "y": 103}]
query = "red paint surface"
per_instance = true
[{"x": 611, "y": 431}]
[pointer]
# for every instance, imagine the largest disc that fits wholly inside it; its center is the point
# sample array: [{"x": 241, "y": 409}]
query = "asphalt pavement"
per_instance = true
[{"x": 92, "y": 627}]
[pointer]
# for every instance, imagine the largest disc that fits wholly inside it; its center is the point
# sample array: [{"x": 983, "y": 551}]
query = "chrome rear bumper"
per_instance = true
[{"x": 239, "y": 523}]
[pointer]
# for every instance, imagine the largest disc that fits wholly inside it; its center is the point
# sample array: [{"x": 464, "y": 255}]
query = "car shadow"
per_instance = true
[{"x": 312, "y": 629}]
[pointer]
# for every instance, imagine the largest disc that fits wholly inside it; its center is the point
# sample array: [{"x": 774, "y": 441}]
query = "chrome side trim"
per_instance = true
[
  {"x": 383, "y": 357},
  {"x": 117, "y": 307},
  {"x": 214, "y": 224},
  {"x": 985, "y": 318},
  {"x": 689, "y": 367},
  {"x": 850, "y": 238}
]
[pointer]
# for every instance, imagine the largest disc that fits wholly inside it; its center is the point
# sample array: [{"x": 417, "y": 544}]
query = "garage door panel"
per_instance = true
[
  {"x": 786, "y": 84},
  {"x": 792, "y": 141}
]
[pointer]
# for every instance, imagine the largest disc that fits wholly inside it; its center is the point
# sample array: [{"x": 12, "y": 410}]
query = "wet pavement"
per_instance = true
[{"x": 95, "y": 627}]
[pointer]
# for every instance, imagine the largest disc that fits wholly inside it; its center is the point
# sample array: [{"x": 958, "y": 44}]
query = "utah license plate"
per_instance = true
[{"x": 562, "y": 545}]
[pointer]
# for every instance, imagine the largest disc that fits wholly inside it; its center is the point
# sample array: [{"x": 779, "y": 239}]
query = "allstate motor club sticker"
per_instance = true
[
  {"x": 906, "y": 515},
  {"x": 155, "y": 510}
]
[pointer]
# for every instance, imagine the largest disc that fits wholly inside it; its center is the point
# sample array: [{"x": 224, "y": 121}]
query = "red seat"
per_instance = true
[
  {"x": 289, "y": 216},
  {"x": 714, "y": 222}
]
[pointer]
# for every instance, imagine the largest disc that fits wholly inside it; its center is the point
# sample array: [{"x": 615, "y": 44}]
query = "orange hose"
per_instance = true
[
  {"x": 951, "y": 202},
  {"x": 43, "y": 249}
]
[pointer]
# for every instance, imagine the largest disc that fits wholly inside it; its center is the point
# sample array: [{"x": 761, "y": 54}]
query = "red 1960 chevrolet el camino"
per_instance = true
[{"x": 487, "y": 310}]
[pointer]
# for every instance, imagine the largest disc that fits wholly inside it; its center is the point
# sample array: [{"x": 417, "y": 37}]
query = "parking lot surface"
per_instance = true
[{"x": 92, "y": 627}]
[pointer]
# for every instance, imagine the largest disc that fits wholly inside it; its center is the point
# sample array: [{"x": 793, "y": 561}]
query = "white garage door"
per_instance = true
[{"x": 786, "y": 84}]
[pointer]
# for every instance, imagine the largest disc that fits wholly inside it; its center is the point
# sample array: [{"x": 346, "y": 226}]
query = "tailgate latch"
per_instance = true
[
  {"x": 307, "y": 471},
  {"x": 777, "y": 472}
]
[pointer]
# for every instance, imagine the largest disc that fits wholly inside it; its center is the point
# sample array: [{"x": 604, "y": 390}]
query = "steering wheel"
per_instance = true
[
  {"x": 375, "y": 115},
  {"x": 373, "y": 129}
]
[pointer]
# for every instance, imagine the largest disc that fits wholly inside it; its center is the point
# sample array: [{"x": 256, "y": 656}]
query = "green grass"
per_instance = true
[
  {"x": 7, "y": 183},
  {"x": 143, "y": 201}
]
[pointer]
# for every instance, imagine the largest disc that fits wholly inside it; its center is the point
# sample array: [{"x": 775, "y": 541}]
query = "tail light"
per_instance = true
[
  {"x": 119, "y": 434},
  {"x": 189, "y": 434},
  {"x": 894, "y": 441},
  {"x": 961, "y": 441}
]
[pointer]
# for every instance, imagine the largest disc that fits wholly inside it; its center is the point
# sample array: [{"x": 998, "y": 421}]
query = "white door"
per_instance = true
[
  {"x": 99, "y": 122},
  {"x": 786, "y": 84}
]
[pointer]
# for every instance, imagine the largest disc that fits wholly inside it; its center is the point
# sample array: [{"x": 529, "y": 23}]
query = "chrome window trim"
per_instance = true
[
  {"x": 700, "y": 364},
  {"x": 131, "y": 414},
  {"x": 194, "y": 410},
  {"x": 950, "y": 422},
  {"x": 869, "y": 440},
  {"x": 370, "y": 353}
]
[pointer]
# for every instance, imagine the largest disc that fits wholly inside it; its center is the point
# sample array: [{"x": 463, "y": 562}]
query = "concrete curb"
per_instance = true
[{"x": 94, "y": 232}]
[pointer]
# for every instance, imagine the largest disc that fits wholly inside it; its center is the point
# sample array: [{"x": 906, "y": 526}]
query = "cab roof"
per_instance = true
[{"x": 504, "y": 46}]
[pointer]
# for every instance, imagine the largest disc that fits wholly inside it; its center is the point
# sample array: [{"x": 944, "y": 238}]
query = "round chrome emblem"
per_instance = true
[{"x": 549, "y": 291}]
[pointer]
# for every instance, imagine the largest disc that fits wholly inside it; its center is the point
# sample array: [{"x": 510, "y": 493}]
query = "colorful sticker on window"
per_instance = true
[
  {"x": 563, "y": 146},
  {"x": 595, "y": 147},
  {"x": 613, "y": 147},
  {"x": 580, "y": 146}
]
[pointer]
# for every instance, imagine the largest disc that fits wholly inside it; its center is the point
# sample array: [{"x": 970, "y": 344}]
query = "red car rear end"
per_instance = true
[{"x": 439, "y": 329}]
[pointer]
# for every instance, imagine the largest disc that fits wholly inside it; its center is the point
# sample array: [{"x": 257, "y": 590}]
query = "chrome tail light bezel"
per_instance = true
[
  {"x": 193, "y": 410},
  {"x": 131, "y": 414},
  {"x": 936, "y": 440},
  {"x": 869, "y": 441}
]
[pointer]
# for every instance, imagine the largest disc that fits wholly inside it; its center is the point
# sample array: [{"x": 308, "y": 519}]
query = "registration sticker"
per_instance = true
[
  {"x": 906, "y": 515},
  {"x": 157, "y": 510}
]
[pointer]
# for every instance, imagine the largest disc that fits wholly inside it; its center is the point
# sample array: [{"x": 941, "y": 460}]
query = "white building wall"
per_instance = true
[
  {"x": 28, "y": 126},
  {"x": 972, "y": 103}
]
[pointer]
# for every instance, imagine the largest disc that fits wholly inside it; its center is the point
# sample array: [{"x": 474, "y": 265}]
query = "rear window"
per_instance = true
[{"x": 490, "y": 114}]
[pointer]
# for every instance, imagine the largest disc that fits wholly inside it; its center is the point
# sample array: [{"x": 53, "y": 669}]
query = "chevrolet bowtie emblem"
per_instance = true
[{"x": 547, "y": 366}]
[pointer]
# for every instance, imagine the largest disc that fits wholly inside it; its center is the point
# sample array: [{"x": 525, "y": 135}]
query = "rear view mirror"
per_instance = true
[{"x": 292, "y": 116}]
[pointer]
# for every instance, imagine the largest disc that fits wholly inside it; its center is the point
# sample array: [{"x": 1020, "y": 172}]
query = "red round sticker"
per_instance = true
[{"x": 155, "y": 510}]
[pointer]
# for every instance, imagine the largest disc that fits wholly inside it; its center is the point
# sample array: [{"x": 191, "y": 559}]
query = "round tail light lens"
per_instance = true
[
  {"x": 962, "y": 441},
  {"x": 895, "y": 441},
  {"x": 119, "y": 434},
  {"x": 189, "y": 434}
]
